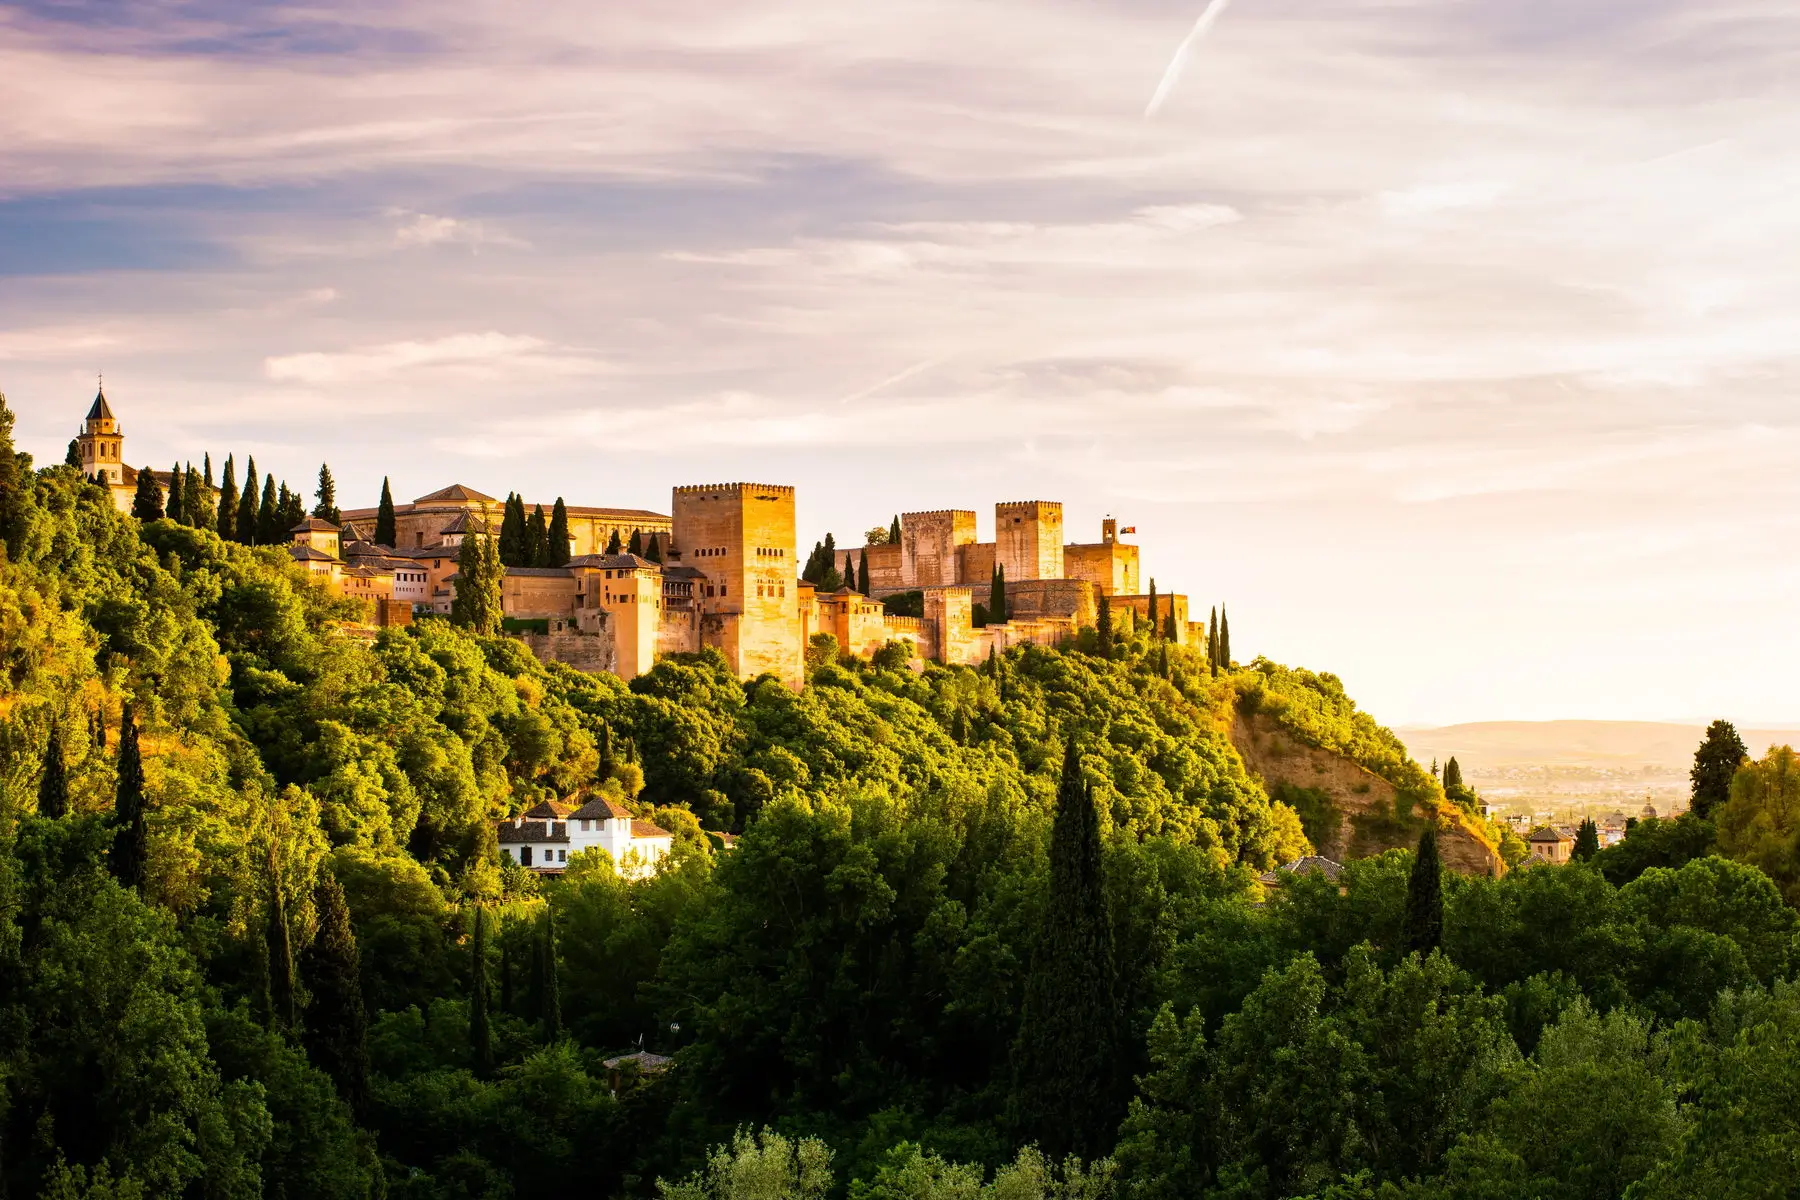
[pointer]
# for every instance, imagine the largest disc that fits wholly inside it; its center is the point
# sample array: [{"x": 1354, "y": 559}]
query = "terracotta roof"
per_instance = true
[
  {"x": 533, "y": 831},
  {"x": 644, "y": 829},
  {"x": 314, "y": 525},
  {"x": 456, "y": 493},
  {"x": 465, "y": 522},
  {"x": 350, "y": 533},
  {"x": 600, "y": 809},
  {"x": 1312, "y": 864},
  {"x": 101, "y": 411},
  {"x": 641, "y": 514},
  {"x": 550, "y": 809},
  {"x": 1543, "y": 833},
  {"x": 308, "y": 553},
  {"x": 615, "y": 562}
]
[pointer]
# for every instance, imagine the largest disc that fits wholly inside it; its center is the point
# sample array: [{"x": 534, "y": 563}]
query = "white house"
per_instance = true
[{"x": 545, "y": 837}]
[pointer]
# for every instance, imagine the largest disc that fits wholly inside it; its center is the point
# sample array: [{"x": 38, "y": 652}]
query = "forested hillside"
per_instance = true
[{"x": 256, "y": 938}]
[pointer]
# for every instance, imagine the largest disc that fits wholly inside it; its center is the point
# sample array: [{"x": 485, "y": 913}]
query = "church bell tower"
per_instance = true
[{"x": 100, "y": 444}]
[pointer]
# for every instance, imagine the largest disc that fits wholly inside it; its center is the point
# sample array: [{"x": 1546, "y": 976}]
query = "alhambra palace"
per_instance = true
[{"x": 728, "y": 579}]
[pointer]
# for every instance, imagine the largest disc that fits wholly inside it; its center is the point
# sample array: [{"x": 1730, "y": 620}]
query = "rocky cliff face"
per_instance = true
[{"x": 1349, "y": 812}]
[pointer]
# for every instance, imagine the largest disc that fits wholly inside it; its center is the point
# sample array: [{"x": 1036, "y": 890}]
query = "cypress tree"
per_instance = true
[
  {"x": 636, "y": 546},
  {"x": 1104, "y": 627},
  {"x": 653, "y": 551},
  {"x": 327, "y": 507},
  {"x": 558, "y": 537},
  {"x": 268, "y": 513},
  {"x": 478, "y": 605},
  {"x": 997, "y": 596},
  {"x": 73, "y": 457},
  {"x": 1224, "y": 639},
  {"x": 551, "y": 999},
  {"x": 1423, "y": 927},
  {"x": 1716, "y": 762},
  {"x": 959, "y": 728},
  {"x": 197, "y": 500},
  {"x": 1169, "y": 629},
  {"x": 1066, "y": 1059},
  {"x": 280, "y": 947},
  {"x": 147, "y": 505},
  {"x": 1587, "y": 841},
  {"x": 175, "y": 508},
  {"x": 1453, "y": 776},
  {"x": 1155, "y": 625},
  {"x": 613, "y": 545},
  {"x": 850, "y": 574},
  {"x": 131, "y": 838},
  {"x": 894, "y": 531},
  {"x": 207, "y": 478},
  {"x": 337, "y": 1038},
  {"x": 537, "y": 539},
  {"x": 513, "y": 547},
  {"x": 249, "y": 511},
  {"x": 228, "y": 502},
  {"x": 862, "y": 573},
  {"x": 506, "y": 972},
  {"x": 385, "y": 532},
  {"x": 53, "y": 784},
  {"x": 481, "y": 1034},
  {"x": 12, "y": 486},
  {"x": 1212, "y": 642}
]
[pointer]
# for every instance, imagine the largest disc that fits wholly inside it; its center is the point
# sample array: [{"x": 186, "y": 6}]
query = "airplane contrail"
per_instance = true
[{"x": 1213, "y": 9}]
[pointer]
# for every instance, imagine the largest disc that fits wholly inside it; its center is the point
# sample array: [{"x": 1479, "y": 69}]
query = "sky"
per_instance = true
[{"x": 1452, "y": 344}]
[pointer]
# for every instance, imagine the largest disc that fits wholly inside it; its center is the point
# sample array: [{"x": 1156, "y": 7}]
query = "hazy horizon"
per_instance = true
[{"x": 1451, "y": 345}]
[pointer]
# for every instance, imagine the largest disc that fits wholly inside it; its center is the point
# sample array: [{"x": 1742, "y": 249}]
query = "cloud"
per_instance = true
[
  {"x": 423, "y": 229},
  {"x": 480, "y": 357}
]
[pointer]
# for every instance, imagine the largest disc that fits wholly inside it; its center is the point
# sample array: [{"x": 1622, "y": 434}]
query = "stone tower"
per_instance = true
[
  {"x": 1028, "y": 539},
  {"x": 740, "y": 537},
  {"x": 101, "y": 444}
]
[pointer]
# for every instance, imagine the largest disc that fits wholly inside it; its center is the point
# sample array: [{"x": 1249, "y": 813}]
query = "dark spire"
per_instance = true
[{"x": 102, "y": 411}]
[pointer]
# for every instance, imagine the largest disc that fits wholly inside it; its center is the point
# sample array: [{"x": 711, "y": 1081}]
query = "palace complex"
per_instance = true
[{"x": 728, "y": 578}]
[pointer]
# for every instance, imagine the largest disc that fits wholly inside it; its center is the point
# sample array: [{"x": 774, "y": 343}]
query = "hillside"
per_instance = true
[{"x": 1486, "y": 745}]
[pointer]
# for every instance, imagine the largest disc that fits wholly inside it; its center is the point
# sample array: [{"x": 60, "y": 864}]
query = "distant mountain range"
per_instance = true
[{"x": 1485, "y": 745}]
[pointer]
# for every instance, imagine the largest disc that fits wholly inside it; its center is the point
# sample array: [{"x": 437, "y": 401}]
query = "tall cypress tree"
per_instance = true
[
  {"x": 175, "y": 508},
  {"x": 196, "y": 498},
  {"x": 481, "y": 1034},
  {"x": 550, "y": 988},
  {"x": 636, "y": 544},
  {"x": 207, "y": 478},
  {"x": 1224, "y": 639},
  {"x": 850, "y": 574},
  {"x": 228, "y": 502},
  {"x": 477, "y": 605},
  {"x": 1423, "y": 927},
  {"x": 1453, "y": 777},
  {"x": 558, "y": 537},
  {"x": 1212, "y": 642},
  {"x": 514, "y": 549},
  {"x": 1066, "y": 1060},
  {"x": 1104, "y": 627},
  {"x": 894, "y": 531},
  {"x": 997, "y": 596},
  {"x": 385, "y": 532},
  {"x": 862, "y": 573},
  {"x": 131, "y": 838},
  {"x": 13, "y": 485},
  {"x": 613, "y": 545},
  {"x": 327, "y": 508},
  {"x": 1587, "y": 840},
  {"x": 53, "y": 784},
  {"x": 1155, "y": 625},
  {"x": 279, "y": 945},
  {"x": 337, "y": 1037},
  {"x": 1169, "y": 629},
  {"x": 653, "y": 551},
  {"x": 147, "y": 505},
  {"x": 537, "y": 539},
  {"x": 249, "y": 513},
  {"x": 1716, "y": 762},
  {"x": 269, "y": 527}
]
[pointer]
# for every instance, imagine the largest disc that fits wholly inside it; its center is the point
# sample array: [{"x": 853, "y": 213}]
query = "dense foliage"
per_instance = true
[{"x": 256, "y": 937}]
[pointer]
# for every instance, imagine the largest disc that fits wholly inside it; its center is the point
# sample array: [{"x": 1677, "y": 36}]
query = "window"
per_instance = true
[{"x": 562, "y": 856}]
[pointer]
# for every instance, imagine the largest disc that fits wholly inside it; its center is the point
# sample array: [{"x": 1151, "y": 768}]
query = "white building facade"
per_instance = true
[{"x": 547, "y": 836}]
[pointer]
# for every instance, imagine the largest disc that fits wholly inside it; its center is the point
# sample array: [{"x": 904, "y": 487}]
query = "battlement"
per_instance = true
[
  {"x": 782, "y": 490},
  {"x": 1040, "y": 505},
  {"x": 940, "y": 512}
]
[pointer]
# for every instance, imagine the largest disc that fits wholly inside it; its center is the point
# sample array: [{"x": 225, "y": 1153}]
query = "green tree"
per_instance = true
[
  {"x": 481, "y": 1034},
  {"x": 287, "y": 510},
  {"x": 53, "y": 781},
  {"x": 862, "y": 574},
  {"x": 653, "y": 551},
  {"x": 537, "y": 539},
  {"x": 1066, "y": 1062},
  {"x": 72, "y": 458},
  {"x": 207, "y": 476},
  {"x": 175, "y": 508},
  {"x": 1423, "y": 930},
  {"x": 197, "y": 502},
  {"x": 278, "y": 944},
  {"x": 1760, "y": 824},
  {"x": 894, "y": 531},
  {"x": 228, "y": 502},
  {"x": 1717, "y": 760},
  {"x": 1587, "y": 841},
  {"x": 248, "y": 522},
  {"x": 1104, "y": 627},
  {"x": 477, "y": 605},
  {"x": 1170, "y": 631},
  {"x": 515, "y": 546},
  {"x": 636, "y": 545},
  {"x": 386, "y": 531},
  {"x": 336, "y": 1035},
  {"x": 850, "y": 574},
  {"x": 1225, "y": 659},
  {"x": 558, "y": 538},
  {"x": 550, "y": 984},
  {"x": 1212, "y": 642},
  {"x": 1155, "y": 624},
  {"x": 1453, "y": 776},
  {"x": 764, "y": 1166},
  {"x": 12, "y": 486},
  {"x": 147, "y": 505},
  {"x": 327, "y": 507},
  {"x": 131, "y": 841},
  {"x": 997, "y": 612},
  {"x": 614, "y": 545}
]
